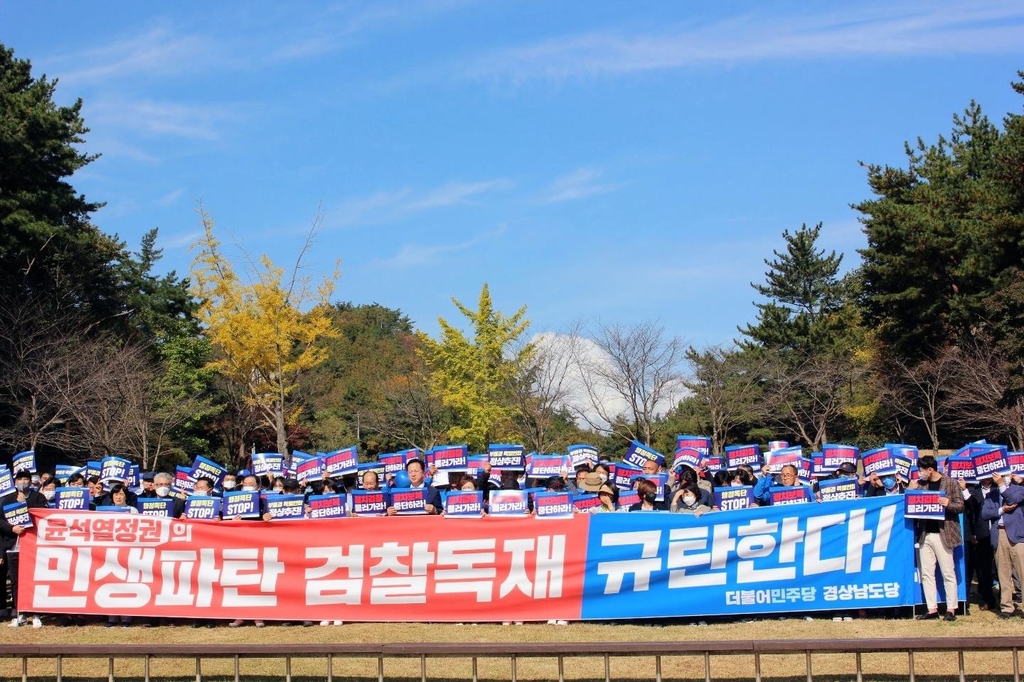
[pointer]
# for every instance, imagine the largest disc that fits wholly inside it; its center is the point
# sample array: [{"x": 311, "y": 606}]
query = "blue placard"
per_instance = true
[
  {"x": 207, "y": 468},
  {"x": 545, "y": 466},
  {"x": 628, "y": 498},
  {"x": 553, "y": 505},
  {"x": 183, "y": 478},
  {"x": 267, "y": 464},
  {"x": 310, "y": 470},
  {"x": 846, "y": 555},
  {"x": 734, "y": 497},
  {"x": 62, "y": 472},
  {"x": 342, "y": 462},
  {"x": 961, "y": 468},
  {"x": 449, "y": 457},
  {"x": 24, "y": 461},
  {"x": 115, "y": 469},
  {"x": 17, "y": 514},
  {"x": 836, "y": 489},
  {"x": 286, "y": 507},
  {"x": 836, "y": 455},
  {"x": 504, "y": 456},
  {"x": 993, "y": 460},
  {"x": 637, "y": 454},
  {"x": 71, "y": 499},
  {"x": 375, "y": 467},
  {"x": 879, "y": 461},
  {"x": 202, "y": 508},
  {"x": 243, "y": 503},
  {"x": 93, "y": 469},
  {"x": 701, "y": 444},
  {"x": 409, "y": 501},
  {"x": 6, "y": 481},
  {"x": 393, "y": 462},
  {"x": 783, "y": 495},
  {"x": 369, "y": 502},
  {"x": 624, "y": 475},
  {"x": 687, "y": 457},
  {"x": 507, "y": 503},
  {"x": 777, "y": 459},
  {"x": 582, "y": 455},
  {"x": 738, "y": 455},
  {"x": 155, "y": 506},
  {"x": 475, "y": 464},
  {"x": 468, "y": 504},
  {"x": 584, "y": 502},
  {"x": 114, "y": 509},
  {"x": 924, "y": 504},
  {"x": 134, "y": 477},
  {"x": 332, "y": 506}
]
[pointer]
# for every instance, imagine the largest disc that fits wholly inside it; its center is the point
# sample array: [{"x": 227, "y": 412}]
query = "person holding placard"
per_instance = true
[
  {"x": 414, "y": 470},
  {"x": 763, "y": 489},
  {"x": 10, "y": 537},
  {"x": 1005, "y": 505},
  {"x": 938, "y": 539}
]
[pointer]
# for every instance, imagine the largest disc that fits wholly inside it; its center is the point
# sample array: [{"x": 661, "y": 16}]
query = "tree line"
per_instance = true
[{"x": 102, "y": 354}]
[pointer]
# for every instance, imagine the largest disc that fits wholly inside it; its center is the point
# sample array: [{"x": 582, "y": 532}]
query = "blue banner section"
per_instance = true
[{"x": 803, "y": 557}]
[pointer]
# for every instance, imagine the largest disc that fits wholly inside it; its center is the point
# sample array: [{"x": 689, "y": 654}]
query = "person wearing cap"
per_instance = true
[{"x": 147, "y": 483}]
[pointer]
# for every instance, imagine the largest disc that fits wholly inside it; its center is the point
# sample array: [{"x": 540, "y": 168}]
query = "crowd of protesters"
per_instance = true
[{"x": 993, "y": 515}]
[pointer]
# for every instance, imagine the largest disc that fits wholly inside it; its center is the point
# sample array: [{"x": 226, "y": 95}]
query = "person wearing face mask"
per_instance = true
[
  {"x": 162, "y": 489},
  {"x": 937, "y": 539},
  {"x": 687, "y": 501},
  {"x": 648, "y": 493},
  {"x": 979, "y": 552},
  {"x": 1004, "y": 506},
  {"x": 229, "y": 482},
  {"x": 48, "y": 489},
  {"x": 10, "y": 537}
]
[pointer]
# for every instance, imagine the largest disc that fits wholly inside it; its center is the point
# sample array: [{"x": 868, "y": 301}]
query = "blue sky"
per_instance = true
[{"x": 610, "y": 161}]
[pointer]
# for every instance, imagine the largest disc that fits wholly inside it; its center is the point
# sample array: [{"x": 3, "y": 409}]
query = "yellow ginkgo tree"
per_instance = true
[
  {"x": 475, "y": 376},
  {"x": 264, "y": 330}
]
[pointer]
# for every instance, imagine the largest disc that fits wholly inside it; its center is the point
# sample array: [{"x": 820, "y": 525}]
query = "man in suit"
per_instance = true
[{"x": 1005, "y": 506}]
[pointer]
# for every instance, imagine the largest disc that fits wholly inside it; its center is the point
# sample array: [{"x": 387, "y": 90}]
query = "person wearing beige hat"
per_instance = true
[{"x": 593, "y": 483}]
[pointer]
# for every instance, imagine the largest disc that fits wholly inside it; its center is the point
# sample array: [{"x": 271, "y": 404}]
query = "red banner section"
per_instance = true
[{"x": 362, "y": 569}]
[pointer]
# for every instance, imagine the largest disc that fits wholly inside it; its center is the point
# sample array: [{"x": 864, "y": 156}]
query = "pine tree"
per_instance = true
[{"x": 805, "y": 295}]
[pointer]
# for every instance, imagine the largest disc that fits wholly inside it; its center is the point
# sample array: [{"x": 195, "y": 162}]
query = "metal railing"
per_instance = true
[{"x": 513, "y": 652}]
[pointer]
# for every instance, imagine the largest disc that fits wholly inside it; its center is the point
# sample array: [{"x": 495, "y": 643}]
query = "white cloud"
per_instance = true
[
  {"x": 183, "y": 240},
  {"x": 920, "y": 28},
  {"x": 161, "y": 119},
  {"x": 579, "y": 184},
  {"x": 386, "y": 206},
  {"x": 421, "y": 254},
  {"x": 170, "y": 197},
  {"x": 158, "y": 51}
]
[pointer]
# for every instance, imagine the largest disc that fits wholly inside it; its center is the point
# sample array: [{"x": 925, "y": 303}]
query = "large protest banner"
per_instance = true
[{"x": 807, "y": 557}]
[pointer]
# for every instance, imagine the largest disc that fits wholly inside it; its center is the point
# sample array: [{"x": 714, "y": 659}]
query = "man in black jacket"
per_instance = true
[
  {"x": 10, "y": 536},
  {"x": 977, "y": 542}
]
